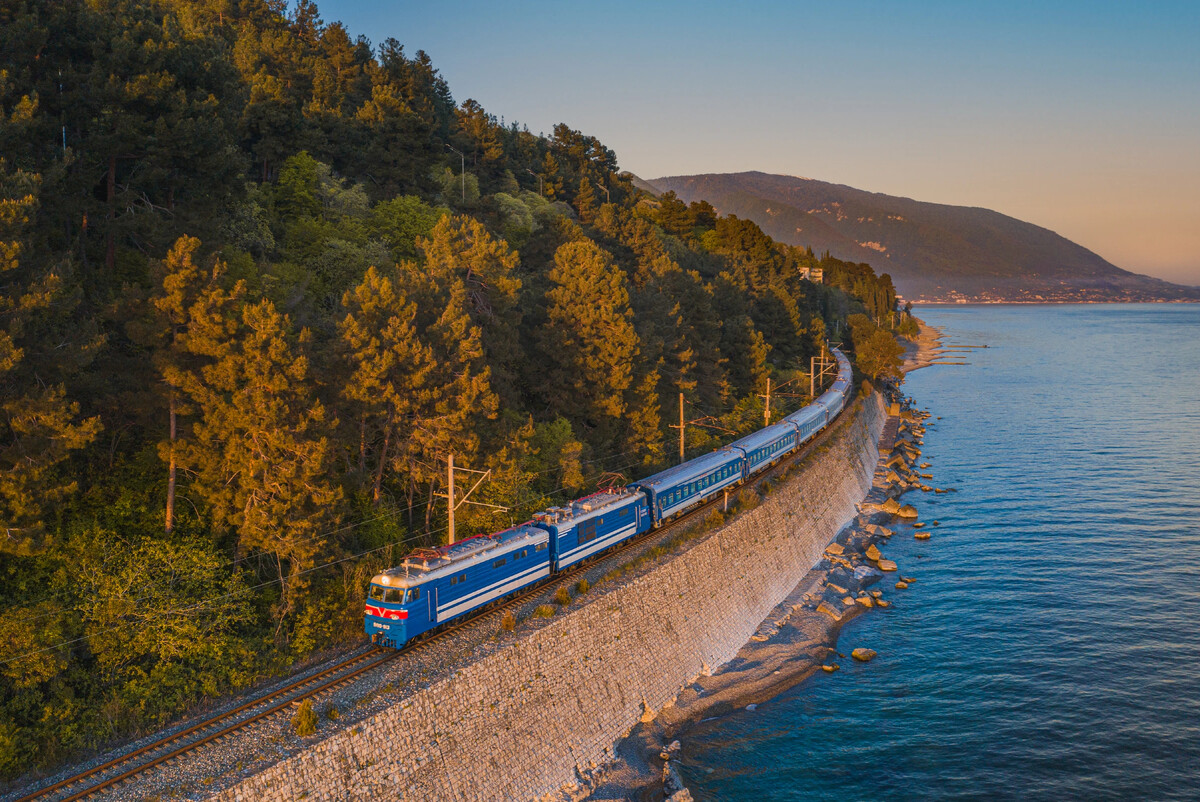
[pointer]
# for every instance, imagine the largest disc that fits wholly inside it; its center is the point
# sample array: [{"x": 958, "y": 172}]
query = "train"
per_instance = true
[{"x": 435, "y": 586}]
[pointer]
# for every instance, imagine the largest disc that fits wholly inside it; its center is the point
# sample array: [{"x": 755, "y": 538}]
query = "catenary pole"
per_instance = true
[{"x": 450, "y": 492}]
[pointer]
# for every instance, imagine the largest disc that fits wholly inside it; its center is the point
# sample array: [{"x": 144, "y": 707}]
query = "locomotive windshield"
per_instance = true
[{"x": 394, "y": 595}]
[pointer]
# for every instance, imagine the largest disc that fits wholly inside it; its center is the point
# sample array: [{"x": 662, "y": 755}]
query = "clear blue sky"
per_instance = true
[{"x": 1083, "y": 117}]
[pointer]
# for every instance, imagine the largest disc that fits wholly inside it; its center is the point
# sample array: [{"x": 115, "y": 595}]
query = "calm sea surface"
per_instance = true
[{"x": 1050, "y": 648}]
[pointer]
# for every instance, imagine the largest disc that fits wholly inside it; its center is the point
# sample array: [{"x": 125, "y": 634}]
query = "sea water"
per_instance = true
[{"x": 1050, "y": 647}]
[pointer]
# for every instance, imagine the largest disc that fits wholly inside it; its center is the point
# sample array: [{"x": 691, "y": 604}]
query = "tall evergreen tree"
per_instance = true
[
  {"x": 460, "y": 249},
  {"x": 261, "y": 448},
  {"x": 391, "y": 370},
  {"x": 40, "y": 427},
  {"x": 588, "y": 340}
]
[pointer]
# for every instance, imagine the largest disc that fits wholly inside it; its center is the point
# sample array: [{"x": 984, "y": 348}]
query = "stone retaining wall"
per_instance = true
[{"x": 521, "y": 722}]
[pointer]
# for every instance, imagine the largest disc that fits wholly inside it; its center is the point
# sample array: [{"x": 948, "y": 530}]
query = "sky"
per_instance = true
[{"x": 1083, "y": 117}]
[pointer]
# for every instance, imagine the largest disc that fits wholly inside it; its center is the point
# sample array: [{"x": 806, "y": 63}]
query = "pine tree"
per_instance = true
[
  {"x": 460, "y": 249},
  {"x": 585, "y": 201},
  {"x": 644, "y": 436},
  {"x": 260, "y": 446},
  {"x": 40, "y": 427},
  {"x": 588, "y": 340},
  {"x": 391, "y": 370},
  {"x": 181, "y": 286}
]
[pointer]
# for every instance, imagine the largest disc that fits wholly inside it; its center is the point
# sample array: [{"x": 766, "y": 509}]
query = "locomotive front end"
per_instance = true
[{"x": 384, "y": 619}]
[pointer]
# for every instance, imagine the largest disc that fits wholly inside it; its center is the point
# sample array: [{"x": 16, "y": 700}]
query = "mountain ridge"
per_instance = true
[{"x": 933, "y": 251}]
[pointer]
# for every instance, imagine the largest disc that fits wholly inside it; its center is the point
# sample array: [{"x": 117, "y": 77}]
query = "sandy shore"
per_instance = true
[{"x": 922, "y": 351}]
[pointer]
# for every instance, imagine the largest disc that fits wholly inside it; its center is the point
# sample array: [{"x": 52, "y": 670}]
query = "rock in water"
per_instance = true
[
  {"x": 886, "y": 565},
  {"x": 901, "y": 586},
  {"x": 921, "y": 536},
  {"x": 890, "y": 506},
  {"x": 863, "y": 655},
  {"x": 907, "y": 511},
  {"x": 829, "y": 669},
  {"x": 873, "y": 552}
]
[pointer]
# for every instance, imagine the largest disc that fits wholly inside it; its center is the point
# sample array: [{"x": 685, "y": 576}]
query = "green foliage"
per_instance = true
[
  {"x": 304, "y": 722},
  {"x": 588, "y": 341},
  {"x": 544, "y": 611},
  {"x": 877, "y": 354},
  {"x": 243, "y": 329},
  {"x": 562, "y": 596}
]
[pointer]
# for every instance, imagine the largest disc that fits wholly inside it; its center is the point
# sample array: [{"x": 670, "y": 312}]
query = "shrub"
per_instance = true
[
  {"x": 582, "y": 587},
  {"x": 332, "y": 714},
  {"x": 508, "y": 621},
  {"x": 562, "y": 596},
  {"x": 746, "y": 499},
  {"x": 544, "y": 611},
  {"x": 305, "y": 720}
]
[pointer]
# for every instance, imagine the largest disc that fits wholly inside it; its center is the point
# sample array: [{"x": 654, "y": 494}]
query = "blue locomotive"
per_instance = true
[{"x": 434, "y": 586}]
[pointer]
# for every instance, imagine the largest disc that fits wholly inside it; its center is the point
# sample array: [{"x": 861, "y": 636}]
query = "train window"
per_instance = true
[
  {"x": 394, "y": 595},
  {"x": 540, "y": 547},
  {"x": 521, "y": 553},
  {"x": 414, "y": 595},
  {"x": 499, "y": 563},
  {"x": 376, "y": 593}
]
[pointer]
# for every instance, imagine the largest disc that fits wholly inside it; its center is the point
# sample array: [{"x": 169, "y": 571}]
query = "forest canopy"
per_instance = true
[{"x": 254, "y": 297}]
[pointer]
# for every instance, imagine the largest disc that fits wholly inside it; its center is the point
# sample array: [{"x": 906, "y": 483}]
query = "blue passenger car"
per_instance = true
[
  {"x": 592, "y": 524},
  {"x": 766, "y": 446},
  {"x": 433, "y": 586},
  {"x": 676, "y": 489},
  {"x": 832, "y": 402},
  {"x": 808, "y": 420}
]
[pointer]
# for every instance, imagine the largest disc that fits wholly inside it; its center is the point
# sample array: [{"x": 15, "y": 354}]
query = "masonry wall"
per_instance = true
[{"x": 518, "y": 723}]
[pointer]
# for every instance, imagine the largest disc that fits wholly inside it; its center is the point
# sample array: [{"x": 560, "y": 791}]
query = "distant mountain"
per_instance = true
[{"x": 932, "y": 251}]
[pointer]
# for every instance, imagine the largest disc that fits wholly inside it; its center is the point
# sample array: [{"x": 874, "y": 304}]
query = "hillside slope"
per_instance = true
[{"x": 932, "y": 251}]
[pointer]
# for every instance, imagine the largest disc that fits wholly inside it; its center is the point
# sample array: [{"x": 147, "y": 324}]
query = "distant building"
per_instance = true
[{"x": 814, "y": 274}]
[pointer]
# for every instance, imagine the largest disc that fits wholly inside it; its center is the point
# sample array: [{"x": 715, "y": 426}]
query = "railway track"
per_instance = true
[{"x": 163, "y": 751}]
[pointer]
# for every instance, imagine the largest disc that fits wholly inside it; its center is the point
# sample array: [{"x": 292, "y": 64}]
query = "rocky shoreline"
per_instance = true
[{"x": 799, "y": 637}]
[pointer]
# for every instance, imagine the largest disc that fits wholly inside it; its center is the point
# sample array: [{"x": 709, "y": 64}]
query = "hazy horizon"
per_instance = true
[{"x": 1081, "y": 118}]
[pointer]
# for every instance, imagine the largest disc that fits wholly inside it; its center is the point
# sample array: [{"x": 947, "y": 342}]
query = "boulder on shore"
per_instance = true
[
  {"x": 825, "y": 607},
  {"x": 863, "y": 655},
  {"x": 907, "y": 511},
  {"x": 873, "y": 552},
  {"x": 886, "y": 565},
  {"x": 891, "y": 506}
]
